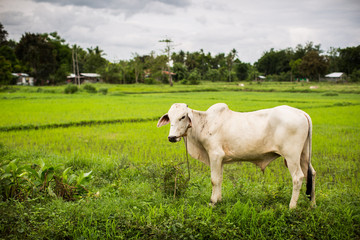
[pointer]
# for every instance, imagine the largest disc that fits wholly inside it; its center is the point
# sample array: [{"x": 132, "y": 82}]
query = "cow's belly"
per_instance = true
[{"x": 260, "y": 159}]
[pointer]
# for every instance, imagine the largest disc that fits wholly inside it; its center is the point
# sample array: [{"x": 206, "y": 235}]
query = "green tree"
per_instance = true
[
  {"x": 5, "y": 71},
  {"x": 213, "y": 75},
  {"x": 111, "y": 73},
  {"x": 241, "y": 69},
  {"x": 253, "y": 73},
  {"x": 300, "y": 50},
  {"x": 334, "y": 59},
  {"x": 168, "y": 47},
  {"x": 3, "y": 35},
  {"x": 275, "y": 62},
  {"x": 63, "y": 57},
  {"x": 138, "y": 64},
  {"x": 194, "y": 77},
  {"x": 180, "y": 70},
  {"x": 349, "y": 59},
  {"x": 93, "y": 61},
  {"x": 295, "y": 68},
  {"x": 178, "y": 57},
  {"x": 355, "y": 76},
  {"x": 313, "y": 65},
  {"x": 230, "y": 58},
  {"x": 36, "y": 52}
]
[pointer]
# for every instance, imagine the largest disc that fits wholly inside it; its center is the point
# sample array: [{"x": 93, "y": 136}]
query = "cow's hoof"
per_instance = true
[{"x": 212, "y": 204}]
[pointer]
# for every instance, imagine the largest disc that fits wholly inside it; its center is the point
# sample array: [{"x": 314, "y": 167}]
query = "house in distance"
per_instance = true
[
  {"x": 335, "y": 77},
  {"x": 84, "y": 78}
]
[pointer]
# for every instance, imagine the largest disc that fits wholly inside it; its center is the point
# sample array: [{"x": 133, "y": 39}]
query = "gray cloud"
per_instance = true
[
  {"x": 127, "y": 6},
  {"x": 123, "y": 27}
]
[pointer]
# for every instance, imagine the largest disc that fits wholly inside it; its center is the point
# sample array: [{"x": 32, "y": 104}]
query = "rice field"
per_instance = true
[{"x": 132, "y": 164}]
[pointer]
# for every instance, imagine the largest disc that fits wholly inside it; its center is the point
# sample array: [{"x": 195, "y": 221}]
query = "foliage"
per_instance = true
[
  {"x": 194, "y": 78},
  {"x": 89, "y": 88},
  {"x": 23, "y": 181},
  {"x": 71, "y": 89},
  {"x": 5, "y": 71},
  {"x": 111, "y": 73},
  {"x": 349, "y": 59},
  {"x": 313, "y": 65},
  {"x": 274, "y": 62},
  {"x": 36, "y": 52},
  {"x": 3, "y": 35},
  {"x": 213, "y": 75},
  {"x": 180, "y": 70},
  {"x": 104, "y": 91},
  {"x": 355, "y": 76}
]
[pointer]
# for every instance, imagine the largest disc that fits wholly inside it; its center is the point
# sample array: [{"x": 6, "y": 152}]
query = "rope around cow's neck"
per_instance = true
[{"x": 187, "y": 157}]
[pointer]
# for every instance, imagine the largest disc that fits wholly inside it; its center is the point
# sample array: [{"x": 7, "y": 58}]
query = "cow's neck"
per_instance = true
[{"x": 195, "y": 137}]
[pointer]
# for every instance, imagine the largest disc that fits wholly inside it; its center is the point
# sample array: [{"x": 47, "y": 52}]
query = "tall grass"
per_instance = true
[{"x": 130, "y": 162}]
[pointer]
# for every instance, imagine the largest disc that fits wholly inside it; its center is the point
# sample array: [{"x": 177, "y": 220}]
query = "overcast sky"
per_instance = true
[{"x": 124, "y": 27}]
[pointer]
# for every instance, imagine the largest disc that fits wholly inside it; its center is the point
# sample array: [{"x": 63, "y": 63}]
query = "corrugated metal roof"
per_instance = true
[
  {"x": 334, "y": 75},
  {"x": 90, "y": 75},
  {"x": 94, "y": 75}
]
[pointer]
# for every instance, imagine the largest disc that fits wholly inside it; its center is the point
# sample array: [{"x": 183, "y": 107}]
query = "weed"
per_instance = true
[
  {"x": 103, "y": 91},
  {"x": 71, "y": 89},
  {"x": 89, "y": 88}
]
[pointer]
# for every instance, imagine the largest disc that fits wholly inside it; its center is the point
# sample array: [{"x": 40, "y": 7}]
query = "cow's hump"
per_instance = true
[{"x": 218, "y": 108}]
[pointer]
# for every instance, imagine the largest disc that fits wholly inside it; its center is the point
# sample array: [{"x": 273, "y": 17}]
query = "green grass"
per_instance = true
[{"x": 131, "y": 162}]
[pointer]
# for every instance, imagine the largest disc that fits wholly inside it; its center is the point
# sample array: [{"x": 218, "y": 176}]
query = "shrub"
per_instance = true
[
  {"x": 175, "y": 182},
  {"x": 213, "y": 75},
  {"x": 19, "y": 181},
  {"x": 90, "y": 88},
  {"x": 194, "y": 78},
  {"x": 355, "y": 76},
  {"x": 103, "y": 91},
  {"x": 70, "y": 89},
  {"x": 184, "y": 81},
  {"x": 149, "y": 81},
  {"x": 330, "y": 94}
]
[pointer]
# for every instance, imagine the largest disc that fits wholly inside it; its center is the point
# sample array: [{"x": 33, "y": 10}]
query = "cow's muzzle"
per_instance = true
[{"x": 174, "y": 139}]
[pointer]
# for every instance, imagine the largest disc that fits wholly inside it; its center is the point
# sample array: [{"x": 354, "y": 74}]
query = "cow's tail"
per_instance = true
[{"x": 309, "y": 184}]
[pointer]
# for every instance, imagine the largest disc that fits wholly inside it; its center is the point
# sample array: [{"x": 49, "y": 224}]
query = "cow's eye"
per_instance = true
[{"x": 182, "y": 118}]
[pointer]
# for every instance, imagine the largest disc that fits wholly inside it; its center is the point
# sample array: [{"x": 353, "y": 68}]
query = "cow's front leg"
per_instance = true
[{"x": 216, "y": 166}]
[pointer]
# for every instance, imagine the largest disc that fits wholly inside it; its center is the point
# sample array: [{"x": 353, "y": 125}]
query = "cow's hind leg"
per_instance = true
[{"x": 297, "y": 179}]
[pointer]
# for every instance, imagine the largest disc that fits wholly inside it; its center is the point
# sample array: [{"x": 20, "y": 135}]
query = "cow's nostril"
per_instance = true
[{"x": 172, "y": 138}]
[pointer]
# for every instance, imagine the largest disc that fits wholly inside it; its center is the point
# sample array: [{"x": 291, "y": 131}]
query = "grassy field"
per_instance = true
[{"x": 131, "y": 191}]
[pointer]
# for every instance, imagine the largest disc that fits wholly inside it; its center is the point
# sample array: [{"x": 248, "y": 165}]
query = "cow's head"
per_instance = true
[{"x": 180, "y": 122}]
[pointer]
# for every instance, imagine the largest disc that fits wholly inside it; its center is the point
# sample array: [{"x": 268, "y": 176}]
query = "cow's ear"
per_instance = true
[{"x": 163, "y": 120}]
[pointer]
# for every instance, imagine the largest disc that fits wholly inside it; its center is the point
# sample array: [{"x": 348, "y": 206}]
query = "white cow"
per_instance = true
[{"x": 219, "y": 136}]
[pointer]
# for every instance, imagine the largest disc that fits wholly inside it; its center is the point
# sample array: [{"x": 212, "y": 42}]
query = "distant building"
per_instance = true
[
  {"x": 85, "y": 78},
  {"x": 23, "y": 79},
  {"x": 335, "y": 77},
  {"x": 260, "y": 78}
]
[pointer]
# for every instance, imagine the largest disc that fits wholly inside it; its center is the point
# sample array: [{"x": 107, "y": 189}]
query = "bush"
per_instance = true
[
  {"x": 330, "y": 94},
  {"x": 103, "y": 91},
  {"x": 149, "y": 81},
  {"x": 90, "y": 88},
  {"x": 355, "y": 76},
  {"x": 70, "y": 89},
  {"x": 184, "y": 81},
  {"x": 19, "y": 181},
  {"x": 213, "y": 75},
  {"x": 194, "y": 78}
]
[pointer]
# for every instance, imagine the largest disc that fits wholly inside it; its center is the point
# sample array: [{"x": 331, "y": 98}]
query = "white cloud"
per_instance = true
[{"x": 124, "y": 27}]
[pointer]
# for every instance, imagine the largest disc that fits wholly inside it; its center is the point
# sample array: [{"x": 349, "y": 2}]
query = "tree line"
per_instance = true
[{"x": 49, "y": 59}]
